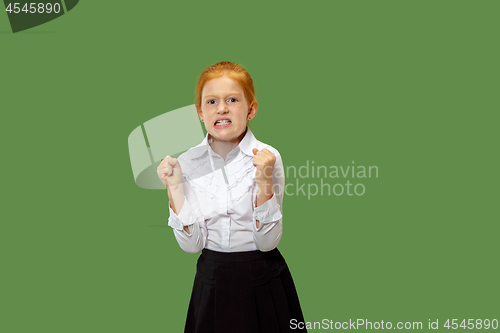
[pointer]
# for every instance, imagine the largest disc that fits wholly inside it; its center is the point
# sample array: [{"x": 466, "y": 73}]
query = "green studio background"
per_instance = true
[{"x": 408, "y": 86}]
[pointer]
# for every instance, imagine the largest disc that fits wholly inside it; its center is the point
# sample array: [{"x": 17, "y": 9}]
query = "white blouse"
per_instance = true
[{"x": 219, "y": 206}]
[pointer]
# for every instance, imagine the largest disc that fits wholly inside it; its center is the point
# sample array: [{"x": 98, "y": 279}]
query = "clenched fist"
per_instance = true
[
  {"x": 264, "y": 162},
  {"x": 170, "y": 173}
]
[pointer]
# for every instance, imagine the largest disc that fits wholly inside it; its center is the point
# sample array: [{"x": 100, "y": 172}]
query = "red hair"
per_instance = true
[{"x": 231, "y": 70}]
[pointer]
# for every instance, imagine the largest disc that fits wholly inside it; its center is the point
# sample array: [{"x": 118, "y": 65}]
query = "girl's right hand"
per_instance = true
[{"x": 170, "y": 172}]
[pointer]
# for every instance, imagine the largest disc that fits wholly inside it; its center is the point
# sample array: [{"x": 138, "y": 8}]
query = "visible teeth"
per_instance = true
[{"x": 222, "y": 122}]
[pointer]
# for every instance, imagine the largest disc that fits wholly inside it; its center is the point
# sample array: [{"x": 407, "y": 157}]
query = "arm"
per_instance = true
[
  {"x": 185, "y": 214},
  {"x": 268, "y": 213},
  {"x": 186, "y": 226}
]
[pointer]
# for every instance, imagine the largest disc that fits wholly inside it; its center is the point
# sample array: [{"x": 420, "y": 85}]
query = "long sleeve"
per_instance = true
[
  {"x": 191, "y": 217},
  {"x": 270, "y": 213}
]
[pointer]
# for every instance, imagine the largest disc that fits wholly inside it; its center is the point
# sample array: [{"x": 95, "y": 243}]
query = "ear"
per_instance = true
[
  {"x": 200, "y": 113},
  {"x": 252, "y": 110}
]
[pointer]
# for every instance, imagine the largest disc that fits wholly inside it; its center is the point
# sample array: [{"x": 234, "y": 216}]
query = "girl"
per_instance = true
[{"x": 225, "y": 200}]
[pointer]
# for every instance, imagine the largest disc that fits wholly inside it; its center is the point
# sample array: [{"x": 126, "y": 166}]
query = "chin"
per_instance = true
[{"x": 221, "y": 135}]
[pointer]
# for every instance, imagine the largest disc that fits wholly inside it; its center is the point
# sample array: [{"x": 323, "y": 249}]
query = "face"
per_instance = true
[{"x": 225, "y": 110}]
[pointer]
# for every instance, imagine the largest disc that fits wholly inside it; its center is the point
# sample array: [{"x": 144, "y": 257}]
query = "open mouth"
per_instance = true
[{"x": 222, "y": 122}]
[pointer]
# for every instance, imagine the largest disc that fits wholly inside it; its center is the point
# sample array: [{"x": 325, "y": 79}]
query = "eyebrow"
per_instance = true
[{"x": 234, "y": 93}]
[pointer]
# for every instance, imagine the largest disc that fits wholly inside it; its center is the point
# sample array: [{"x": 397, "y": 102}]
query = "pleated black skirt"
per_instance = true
[{"x": 243, "y": 292}]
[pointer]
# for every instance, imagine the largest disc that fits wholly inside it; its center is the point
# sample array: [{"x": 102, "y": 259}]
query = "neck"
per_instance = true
[{"x": 222, "y": 148}]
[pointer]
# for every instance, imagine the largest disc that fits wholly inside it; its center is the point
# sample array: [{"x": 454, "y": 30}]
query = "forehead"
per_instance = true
[{"x": 222, "y": 86}]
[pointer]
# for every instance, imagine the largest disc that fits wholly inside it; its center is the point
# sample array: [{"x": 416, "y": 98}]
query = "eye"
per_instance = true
[
  {"x": 211, "y": 101},
  {"x": 232, "y": 99}
]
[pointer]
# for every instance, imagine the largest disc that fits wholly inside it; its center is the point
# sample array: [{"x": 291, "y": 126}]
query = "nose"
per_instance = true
[{"x": 222, "y": 108}]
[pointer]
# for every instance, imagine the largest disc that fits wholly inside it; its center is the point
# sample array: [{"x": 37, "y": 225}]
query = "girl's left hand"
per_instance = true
[{"x": 264, "y": 162}]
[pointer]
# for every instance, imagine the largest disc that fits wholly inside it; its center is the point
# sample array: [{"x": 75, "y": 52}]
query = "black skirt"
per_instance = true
[{"x": 240, "y": 292}]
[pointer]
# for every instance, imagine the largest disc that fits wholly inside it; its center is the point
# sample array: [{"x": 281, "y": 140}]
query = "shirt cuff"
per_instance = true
[
  {"x": 268, "y": 212},
  {"x": 185, "y": 217}
]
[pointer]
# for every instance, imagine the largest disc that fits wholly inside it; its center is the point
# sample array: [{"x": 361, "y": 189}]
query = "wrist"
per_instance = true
[
  {"x": 264, "y": 182},
  {"x": 265, "y": 190},
  {"x": 175, "y": 188}
]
